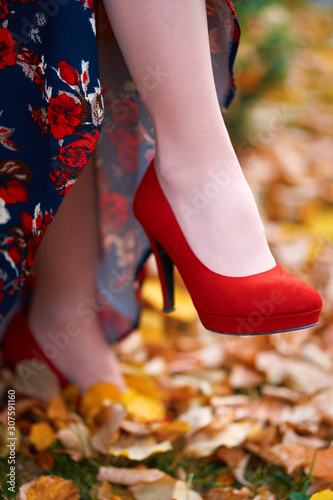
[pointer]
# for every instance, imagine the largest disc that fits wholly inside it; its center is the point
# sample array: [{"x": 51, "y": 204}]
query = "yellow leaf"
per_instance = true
[
  {"x": 145, "y": 385},
  {"x": 97, "y": 396},
  {"x": 52, "y": 488},
  {"x": 323, "y": 495},
  {"x": 144, "y": 407},
  {"x": 184, "y": 308},
  {"x": 41, "y": 435},
  {"x": 152, "y": 326}
]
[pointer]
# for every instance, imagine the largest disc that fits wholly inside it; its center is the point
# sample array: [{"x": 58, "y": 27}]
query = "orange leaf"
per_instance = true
[{"x": 52, "y": 488}]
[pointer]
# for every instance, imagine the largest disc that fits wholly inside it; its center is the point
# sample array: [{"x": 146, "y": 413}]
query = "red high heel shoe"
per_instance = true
[
  {"x": 19, "y": 344},
  {"x": 269, "y": 302}
]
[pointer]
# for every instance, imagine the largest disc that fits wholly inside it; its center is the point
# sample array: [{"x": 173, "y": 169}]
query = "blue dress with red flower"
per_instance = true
[{"x": 63, "y": 91}]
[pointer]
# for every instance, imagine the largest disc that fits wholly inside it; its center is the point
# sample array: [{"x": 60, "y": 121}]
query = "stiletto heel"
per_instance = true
[
  {"x": 165, "y": 272},
  {"x": 268, "y": 302}
]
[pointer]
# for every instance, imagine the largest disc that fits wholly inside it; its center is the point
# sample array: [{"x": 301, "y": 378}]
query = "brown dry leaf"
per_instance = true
[
  {"x": 245, "y": 349},
  {"x": 41, "y": 435},
  {"x": 264, "y": 494},
  {"x": 57, "y": 410},
  {"x": 75, "y": 438},
  {"x": 52, "y": 488},
  {"x": 45, "y": 460},
  {"x": 42, "y": 383},
  {"x": 138, "y": 449},
  {"x": 324, "y": 403},
  {"x": 323, "y": 466},
  {"x": 229, "y": 493},
  {"x": 97, "y": 396},
  {"x": 290, "y": 456},
  {"x": 203, "y": 444},
  {"x": 230, "y": 456},
  {"x": 161, "y": 489},
  {"x": 102, "y": 491},
  {"x": 142, "y": 406},
  {"x": 242, "y": 377},
  {"x": 166, "y": 488},
  {"x": 273, "y": 391},
  {"x": 197, "y": 417},
  {"x": 136, "y": 428},
  {"x": 71, "y": 395},
  {"x": 129, "y": 477},
  {"x": 302, "y": 376},
  {"x": 100, "y": 441}
]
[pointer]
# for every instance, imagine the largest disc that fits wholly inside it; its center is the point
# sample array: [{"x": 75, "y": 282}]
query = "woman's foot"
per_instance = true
[
  {"x": 77, "y": 348},
  {"x": 216, "y": 210}
]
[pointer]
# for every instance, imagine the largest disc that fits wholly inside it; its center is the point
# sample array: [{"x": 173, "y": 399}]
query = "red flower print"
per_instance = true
[
  {"x": 88, "y": 3},
  {"x": 114, "y": 209},
  {"x": 14, "y": 192},
  {"x": 125, "y": 110},
  {"x": 26, "y": 222},
  {"x": 127, "y": 148},
  {"x": 33, "y": 244},
  {"x": 7, "y": 53},
  {"x": 68, "y": 73},
  {"x": 14, "y": 254},
  {"x": 76, "y": 154},
  {"x": 64, "y": 115},
  {"x": 3, "y": 9}
]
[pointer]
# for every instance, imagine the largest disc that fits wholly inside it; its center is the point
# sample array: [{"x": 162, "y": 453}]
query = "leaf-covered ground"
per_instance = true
[{"x": 210, "y": 416}]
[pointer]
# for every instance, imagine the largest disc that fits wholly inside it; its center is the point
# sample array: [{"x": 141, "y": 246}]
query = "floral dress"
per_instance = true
[{"x": 65, "y": 92}]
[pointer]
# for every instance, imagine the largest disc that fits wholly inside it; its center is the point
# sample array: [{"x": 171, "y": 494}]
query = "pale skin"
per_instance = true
[{"x": 193, "y": 151}]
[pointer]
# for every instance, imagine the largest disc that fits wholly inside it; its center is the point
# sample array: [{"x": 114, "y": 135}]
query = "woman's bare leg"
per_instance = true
[
  {"x": 66, "y": 266},
  {"x": 196, "y": 163}
]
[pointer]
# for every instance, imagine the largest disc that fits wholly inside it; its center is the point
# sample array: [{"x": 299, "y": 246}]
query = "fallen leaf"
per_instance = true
[
  {"x": 228, "y": 493},
  {"x": 136, "y": 428},
  {"x": 129, "y": 476},
  {"x": 52, "y": 488},
  {"x": 75, "y": 438},
  {"x": 299, "y": 375},
  {"x": 45, "y": 460},
  {"x": 57, "y": 410},
  {"x": 197, "y": 417},
  {"x": 97, "y": 396},
  {"x": 172, "y": 430},
  {"x": 323, "y": 466},
  {"x": 41, "y": 435},
  {"x": 102, "y": 491},
  {"x": 161, "y": 489},
  {"x": 100, "y": 441},
  {"x": 138, "y": 449},
  {"x": 142, "y": 406},
  {"x": 242, "y": 377},
  {"x": 203, "y": 444}
]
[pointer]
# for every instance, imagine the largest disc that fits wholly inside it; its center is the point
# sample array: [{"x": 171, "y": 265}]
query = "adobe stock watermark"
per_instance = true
[
  {"x": 85, "y": 311},
  {"x": 218, "y": 180}
]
